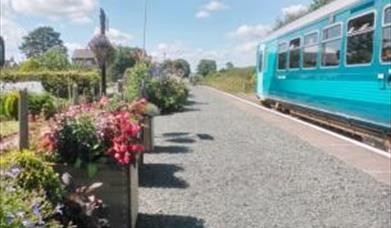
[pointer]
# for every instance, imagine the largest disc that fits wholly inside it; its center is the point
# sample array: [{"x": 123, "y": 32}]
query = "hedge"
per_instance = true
[{"x": 56, "y": 82}]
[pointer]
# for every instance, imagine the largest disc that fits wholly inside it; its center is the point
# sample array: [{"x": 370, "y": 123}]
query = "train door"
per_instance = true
[
  {"x": 260, "y": 70},
  {"x": 385, "y": 51}
]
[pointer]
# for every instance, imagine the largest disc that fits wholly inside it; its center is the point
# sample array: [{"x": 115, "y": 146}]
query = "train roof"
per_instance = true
[{"x": 311, "y": 17}]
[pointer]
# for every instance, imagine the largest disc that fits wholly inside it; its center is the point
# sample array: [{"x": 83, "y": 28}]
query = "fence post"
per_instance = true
[
  {"x": 23, "y": 120},
  {"x": 120, "y": 88},
  {"x": 147, "y": 136},
  {"x": 133, "y": 184},
  {"x": 75, "y": 93}
]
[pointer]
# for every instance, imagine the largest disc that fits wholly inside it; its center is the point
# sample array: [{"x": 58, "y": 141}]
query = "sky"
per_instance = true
[{"x": 224, "y": 30}]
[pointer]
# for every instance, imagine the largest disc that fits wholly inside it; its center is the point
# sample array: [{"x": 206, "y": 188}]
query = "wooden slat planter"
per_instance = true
[
  {"x": 147, "y": 134},
  {"x": 119, "y": 191}
]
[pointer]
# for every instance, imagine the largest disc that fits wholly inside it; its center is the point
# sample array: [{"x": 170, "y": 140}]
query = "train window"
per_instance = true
[
  {"x": 360, "y": 39},
  {"x": 294, "y": 53},
  {"x": 310, "y": 51},
  {"x": 386, "y": 45},
  {"x": 331, "y": 45},
  {"x": 260, "y": 61},
  {"x": 282, "y": 56}
]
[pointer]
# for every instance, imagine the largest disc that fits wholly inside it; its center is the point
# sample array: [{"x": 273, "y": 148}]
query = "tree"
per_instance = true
[
  {"x": 316, "y": 4},
  {"x": 288, "y": 18},
  {"x": 182, "y": 67},
  {"x": 40, "y": 40},
  {"x": 54, "y": 59},
  {"x": 125, "y": 57},
  {"x": 178, "y": 67},
  {"x": 206, "y": 67},
  {"x": 229, "y": 66}
]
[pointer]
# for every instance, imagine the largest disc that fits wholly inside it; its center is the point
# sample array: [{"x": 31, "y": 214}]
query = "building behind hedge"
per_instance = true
[{"x": 83, "y": 57}]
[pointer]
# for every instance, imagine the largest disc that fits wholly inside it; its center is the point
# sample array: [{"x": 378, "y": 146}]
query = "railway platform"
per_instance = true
[{"x": 225, "y": 162}]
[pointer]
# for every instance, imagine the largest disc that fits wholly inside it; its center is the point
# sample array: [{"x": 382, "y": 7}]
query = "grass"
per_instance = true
[
  {"x": 8, "y": 128},
  {"x": 236, "y": 80}
]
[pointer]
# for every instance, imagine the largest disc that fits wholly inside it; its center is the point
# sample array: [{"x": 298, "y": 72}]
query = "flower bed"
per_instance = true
[
  {"x": 89, "y": 133},
  {"x": 95, "y": 147}
]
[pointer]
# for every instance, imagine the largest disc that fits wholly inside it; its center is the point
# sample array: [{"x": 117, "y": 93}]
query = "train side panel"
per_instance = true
[{"x": 357, "y": 92}]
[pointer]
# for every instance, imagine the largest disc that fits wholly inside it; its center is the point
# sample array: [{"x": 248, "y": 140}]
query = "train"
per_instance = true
[{"x": 332, "y": 65}]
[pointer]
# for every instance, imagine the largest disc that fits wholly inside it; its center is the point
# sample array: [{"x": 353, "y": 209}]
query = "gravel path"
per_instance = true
[{"x": 216, "y": 165}]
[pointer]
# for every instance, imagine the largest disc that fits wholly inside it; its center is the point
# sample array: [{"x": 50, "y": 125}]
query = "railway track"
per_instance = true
[{"x": 371, "y": 135}]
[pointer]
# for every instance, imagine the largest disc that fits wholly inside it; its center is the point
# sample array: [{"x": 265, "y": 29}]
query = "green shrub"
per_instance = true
[
  {"x": 42, "y": 103},
  {"x": 56, "y": 82},
  {"x": 2, "y": 110},
  {"x": 169, "y": 94},
  {"x": 30, "y": 65},
  {"x": 54, "y": 59},
  {"x": 22, "y": 208},
  {"x": 34, "y": 173},
  {"x": 133, "y": 79},
  {"x": 11, "y": 105},
  {"x": 77, "y": 141},
  {"x": 235, "y": 80},
  {"x": 29, "y": 189},
  {"x": 37, "y": 104}
]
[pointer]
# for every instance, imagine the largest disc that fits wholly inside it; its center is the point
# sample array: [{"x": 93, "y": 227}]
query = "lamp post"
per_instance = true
[
  {"x": 145, "y": 28},
  {"x": 102, "y": 49},
  {"x": 2, "y": 52}
]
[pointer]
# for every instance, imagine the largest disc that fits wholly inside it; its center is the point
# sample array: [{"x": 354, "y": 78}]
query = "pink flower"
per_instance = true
[{"x": 104, "y": 101}]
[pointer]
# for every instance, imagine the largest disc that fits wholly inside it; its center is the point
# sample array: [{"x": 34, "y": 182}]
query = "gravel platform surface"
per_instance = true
[{"x": 217, "y": 165}]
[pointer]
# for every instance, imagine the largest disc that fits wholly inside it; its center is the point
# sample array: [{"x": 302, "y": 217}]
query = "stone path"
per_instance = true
[{"x": 219, "y": 165}]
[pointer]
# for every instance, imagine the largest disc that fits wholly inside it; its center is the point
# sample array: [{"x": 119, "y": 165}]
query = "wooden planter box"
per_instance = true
[
  {"x": 147, "y": 135},
  {"x": 119, "y": 191}
]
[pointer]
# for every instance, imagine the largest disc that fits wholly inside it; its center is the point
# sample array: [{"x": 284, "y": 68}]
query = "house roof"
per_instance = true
[
  {"x": 323, "y": 12},
  {"x": 83, "y": 54}
]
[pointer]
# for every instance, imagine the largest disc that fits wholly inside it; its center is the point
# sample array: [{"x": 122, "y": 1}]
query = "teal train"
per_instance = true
[{"x": 335, "y": 61}]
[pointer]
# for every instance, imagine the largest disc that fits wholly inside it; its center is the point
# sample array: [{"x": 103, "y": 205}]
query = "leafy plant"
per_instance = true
[
  {"x": 42, "y": 103},
  {"x": 56, "y": 82},
  {"x": 133, "y": 80},
  {"x": 30, "y": 65},
  {"x": 54, "y": 59},
  {"x": 11, "y": 105},
  {"x": 23, "y": 208},
  {"x": 86, "y": 133},
  {"x": 34, "y": 174},
  {"x": 125, "y": 57},
  {"x": 29, "y": 191},
  {"x": 81, "y": 207},
  {"x": 168, "y": 94},
  {"x": 178, "y": 67},
  {"x": 236, "y": 80},
  {"x": 77, "y": 141}
]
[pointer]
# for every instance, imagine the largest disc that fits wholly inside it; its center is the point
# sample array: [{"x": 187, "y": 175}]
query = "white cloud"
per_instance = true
[
  {"x": 245, "y": 39},
  {"x": 247, "y": 47},
  {"x": 72, "y": 46},
  {"x": 251, "y": 32},
  {"x": 215, "y": 6},
  {"x": 208, "y": 9},
  {"x": 294, "y": 10},
  {"x": 11, "y": 31},
  {"x": 117, "y": 37},
  {"x": 202, "y": 14},
  {"x": 77, "y": 11}
]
